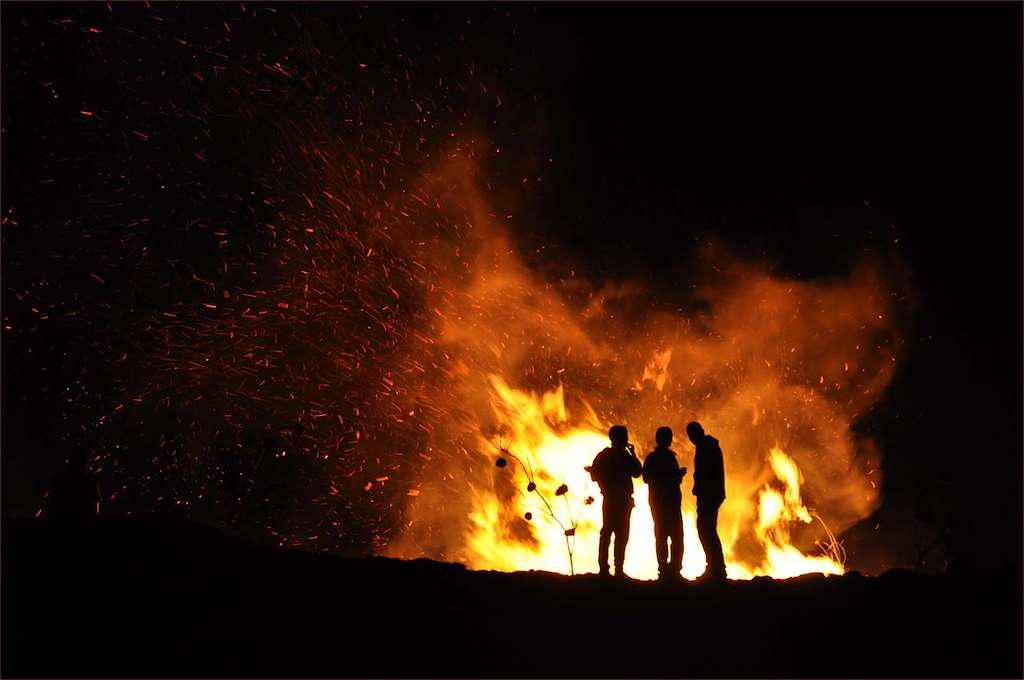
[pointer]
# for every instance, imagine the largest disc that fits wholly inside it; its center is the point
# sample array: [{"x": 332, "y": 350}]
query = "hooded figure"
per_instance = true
[
  {"x": 614, "y": 469},
  {"x": 663, "y": 476},
  {"x": 709, "y": 488}
]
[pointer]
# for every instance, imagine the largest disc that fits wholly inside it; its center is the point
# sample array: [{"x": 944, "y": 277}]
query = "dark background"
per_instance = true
[{"x": 804, "y": 135}]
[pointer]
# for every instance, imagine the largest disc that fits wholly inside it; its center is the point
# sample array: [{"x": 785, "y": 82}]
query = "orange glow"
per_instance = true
[
  {"x": 556, "y": 453},
  {"x": 539, "y": 366}
]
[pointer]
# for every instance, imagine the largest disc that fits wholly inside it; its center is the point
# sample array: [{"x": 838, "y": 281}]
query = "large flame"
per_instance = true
[
  {"x": 406, "y": 344},
  {"x": 540, "y": 366},
  {"x": 548, "y": 453}
]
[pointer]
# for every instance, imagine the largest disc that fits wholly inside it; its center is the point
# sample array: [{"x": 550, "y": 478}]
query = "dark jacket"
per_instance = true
[
  {"x": 613, "y": 470},
  {"x": 663, "y": 476},
  {"x": 709, "y": 470}
]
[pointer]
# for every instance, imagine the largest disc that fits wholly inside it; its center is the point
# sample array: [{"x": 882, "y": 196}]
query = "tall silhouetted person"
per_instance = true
[
  {"x": 663, "y": 476},
  {"x": 709, "y": 488},
  {"x": 614, "y": 469}
]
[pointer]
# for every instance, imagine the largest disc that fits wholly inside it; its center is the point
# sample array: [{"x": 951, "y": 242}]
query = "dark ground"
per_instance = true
[{"x": 157, "y": 596}]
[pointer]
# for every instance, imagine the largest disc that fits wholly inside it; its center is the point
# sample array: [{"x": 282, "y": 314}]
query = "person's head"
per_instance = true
[
  {"x": 619, "y": 435},
  {"x": 664, "y": 436},
  {"x": 695, "y": 432}
]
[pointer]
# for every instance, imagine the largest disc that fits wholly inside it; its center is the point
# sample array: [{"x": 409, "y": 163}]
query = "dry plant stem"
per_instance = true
[
  {"x": 528, "y": 471},
  {"x": 832, "y": 548}
]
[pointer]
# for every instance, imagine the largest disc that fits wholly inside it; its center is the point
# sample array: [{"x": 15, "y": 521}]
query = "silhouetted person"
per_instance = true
[
  {"x": 74, "y": 496},
  {"x": 709, "y": 488},
  {"x": 663, "y": 476},
  {"x": 614, "y": 469}
]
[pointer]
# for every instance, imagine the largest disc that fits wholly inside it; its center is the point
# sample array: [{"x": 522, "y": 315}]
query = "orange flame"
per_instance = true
[
  {"x": 553, "y": 454},
  {"x": 540, "y": 365}
]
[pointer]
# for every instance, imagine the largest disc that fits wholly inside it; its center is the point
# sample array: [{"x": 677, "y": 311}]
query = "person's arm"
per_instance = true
[
  {"x": 596, "y": 469},
  {"x": 721, "y": 473},
  {"x": 634, "y": 464},
  {"x": 647, "y": 470},
  {"x": 697, "y": 473}
]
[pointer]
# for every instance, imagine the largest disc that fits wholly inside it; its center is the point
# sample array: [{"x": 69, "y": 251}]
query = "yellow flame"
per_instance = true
[
  {"x": 775, "y": 513},
  {"x": 542, "y": 447}
]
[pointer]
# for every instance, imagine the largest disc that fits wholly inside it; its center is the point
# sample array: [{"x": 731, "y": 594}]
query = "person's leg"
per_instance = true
[
  {"x": 621, "y": 538},
  {"x": 676, "y": 563},
  {"x": 707, "y": 530},
  {"x": 602, "y": 550},
  {"x": 660, "y": 541},
  {"x": 718, "y": 560},
  {"x": 605, "y": 541},
  {"x": 704, "y": 531}
]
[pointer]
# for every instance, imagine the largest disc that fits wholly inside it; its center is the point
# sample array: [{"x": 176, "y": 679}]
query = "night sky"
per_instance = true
[{"x": 139, "y": 140}]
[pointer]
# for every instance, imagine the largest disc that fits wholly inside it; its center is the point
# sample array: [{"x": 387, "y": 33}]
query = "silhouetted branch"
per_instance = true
[
  {"x": 833, "y": 548},
  {"x": 569, "y": 532}
]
